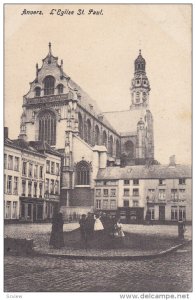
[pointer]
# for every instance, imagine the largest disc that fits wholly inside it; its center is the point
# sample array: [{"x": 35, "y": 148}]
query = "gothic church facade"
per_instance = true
[{"x": 58, "y": 111}]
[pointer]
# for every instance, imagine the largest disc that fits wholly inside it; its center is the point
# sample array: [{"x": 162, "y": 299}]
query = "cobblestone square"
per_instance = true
[{"x": 171, "y": 273}]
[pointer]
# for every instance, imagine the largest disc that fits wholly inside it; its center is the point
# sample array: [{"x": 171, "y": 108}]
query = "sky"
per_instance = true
[{"x": 98, "y": 52}]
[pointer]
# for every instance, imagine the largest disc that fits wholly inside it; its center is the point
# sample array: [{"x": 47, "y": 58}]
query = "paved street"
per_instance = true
[{"x": 171, "y": 273}]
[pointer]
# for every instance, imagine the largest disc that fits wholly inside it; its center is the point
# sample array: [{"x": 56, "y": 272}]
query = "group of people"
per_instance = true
[
  {"x": 92, "y": 226},
  {"x": 96, "y": 225}
]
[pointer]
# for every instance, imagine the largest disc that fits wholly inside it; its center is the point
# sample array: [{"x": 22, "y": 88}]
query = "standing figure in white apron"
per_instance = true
[{"x": 98, "y": 226}]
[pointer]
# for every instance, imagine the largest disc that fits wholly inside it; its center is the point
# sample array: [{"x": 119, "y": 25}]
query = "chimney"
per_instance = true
[
  {"x": 172, "y": 161},
  {"x": 5, "y": 132}
]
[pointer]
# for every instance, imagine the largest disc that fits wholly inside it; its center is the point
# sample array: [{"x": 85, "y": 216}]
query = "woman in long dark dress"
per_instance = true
[{"x": 56, "y": 238}]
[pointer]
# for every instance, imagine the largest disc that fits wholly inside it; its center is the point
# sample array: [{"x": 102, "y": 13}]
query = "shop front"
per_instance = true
[
  {"x": 131, "y": 215},
  {"x": 31, "y": 210}
]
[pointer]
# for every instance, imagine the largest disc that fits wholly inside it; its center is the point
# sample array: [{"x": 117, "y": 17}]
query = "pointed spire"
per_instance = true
[
  {"x": 140, "y": 51},
  {"x": 49, "y": 53},
  {"x": 61, "y": 69},
  {"x": 36, "y": 78},
  {"x": 36, "y": 70},
  {"x": 49, "y": 45}
]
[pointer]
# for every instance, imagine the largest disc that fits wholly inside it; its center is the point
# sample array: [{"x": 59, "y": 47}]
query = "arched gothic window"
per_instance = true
[
  {"x": 80, "y": 125},
  {"x": 89, "y": 131},
  {"x": 97, "y": 135},
  {"x": 82, "y": 173},
  {"x": 49, "y": 85},
  {"x": 47, "y": 127},
  {"x": 129, "y": 149},
  {"x": 85, "y": 137},
  {"x": 144, "y": 96},
  {"x": 110, "y": 146},
  {"x": 37, "y": 91},
  {"x": 60, "y": 88},
  {"x": 117, "y": 148},
  {"x": 104, "y": 138},
  {"x": 137, "y": 97}
]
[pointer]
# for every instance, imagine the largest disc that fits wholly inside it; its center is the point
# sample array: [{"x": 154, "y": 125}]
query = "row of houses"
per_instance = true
[
  {"x": 31, "y": 180},
  {"x": 33, "y": 191},
  {"x": 160, "y": 193}
]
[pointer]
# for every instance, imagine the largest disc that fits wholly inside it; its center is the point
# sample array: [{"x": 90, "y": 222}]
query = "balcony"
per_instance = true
[
  {"x": 178, "y": 199},
  {"x": 46, "y": 99},
  {"x": 135, "y": 195},
  {"x": 159, "y": 200},
  {"x": 153, "y": 199},
  {"x": 150, "y": 199},
  {"x": 55, "y": 197}
]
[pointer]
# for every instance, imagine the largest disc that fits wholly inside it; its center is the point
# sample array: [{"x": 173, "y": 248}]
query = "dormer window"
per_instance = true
[
  {"x": 37, "y": 92},
  {"x": 60, "y": 88},
  {"x": 49, "y": 85}
]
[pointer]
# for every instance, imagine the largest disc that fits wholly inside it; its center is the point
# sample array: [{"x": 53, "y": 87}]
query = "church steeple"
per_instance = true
[
  {"x": 140, "y": 64},
  {"x": 140, "y": 86},
  {"x": 50, "y": 52}
]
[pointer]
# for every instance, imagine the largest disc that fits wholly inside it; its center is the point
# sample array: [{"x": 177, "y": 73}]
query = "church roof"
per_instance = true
[
  {"x": 125, "y": 121},
  {"x": 91, "y": 106},
  {"x": 145, "y": 172}
]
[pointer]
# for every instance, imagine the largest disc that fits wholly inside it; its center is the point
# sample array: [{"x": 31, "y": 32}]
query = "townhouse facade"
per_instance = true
[
  {"x": 12, "y": 188},
  {"x": 160, "y": 193},
  {"x": 30, "y": 193}
]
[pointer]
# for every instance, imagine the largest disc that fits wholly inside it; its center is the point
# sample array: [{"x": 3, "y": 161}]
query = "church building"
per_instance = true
[{"x": 58, "y": 111}]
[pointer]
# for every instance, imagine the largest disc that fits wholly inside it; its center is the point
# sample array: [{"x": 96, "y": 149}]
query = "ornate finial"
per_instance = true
[
  {"x": 61, "y": 69},
  {"x": 36, "y": 71},
  {"x": 140, "y": 52},
  {"x": 49, "y": 45}
]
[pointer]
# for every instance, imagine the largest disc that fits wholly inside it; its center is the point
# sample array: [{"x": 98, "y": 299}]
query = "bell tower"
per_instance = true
[{"x": 140, "y": 86}]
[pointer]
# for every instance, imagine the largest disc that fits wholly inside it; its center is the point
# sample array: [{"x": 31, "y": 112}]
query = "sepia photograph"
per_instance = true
[{"x": 97, "y": 149}]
